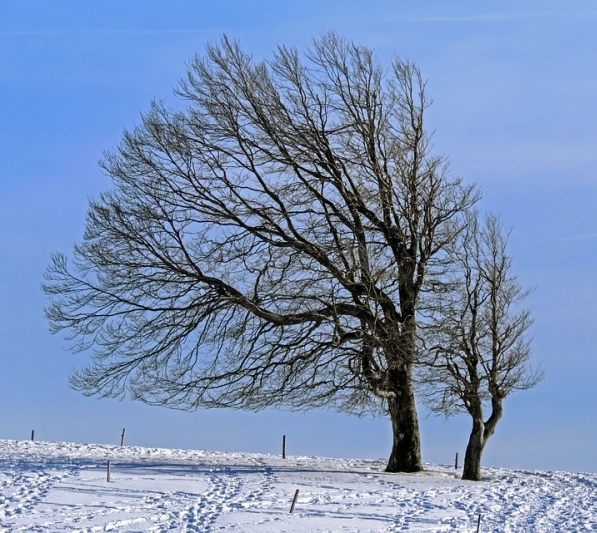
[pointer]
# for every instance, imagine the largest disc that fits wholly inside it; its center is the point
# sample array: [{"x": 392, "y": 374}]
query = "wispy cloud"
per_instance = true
[
  {"x": 581, "y": 237},
  {"x": 489, "y": 17},
  {"x": 105, "y": 31}
]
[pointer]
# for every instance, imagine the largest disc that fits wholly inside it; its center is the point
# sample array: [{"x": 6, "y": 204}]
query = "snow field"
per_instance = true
[{"x": 47, "y": 486}]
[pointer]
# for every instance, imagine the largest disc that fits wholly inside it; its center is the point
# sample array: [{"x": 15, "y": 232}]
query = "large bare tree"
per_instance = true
[
  {"x": 266, "y": 241},
  {"x": 477, "y": 342}
]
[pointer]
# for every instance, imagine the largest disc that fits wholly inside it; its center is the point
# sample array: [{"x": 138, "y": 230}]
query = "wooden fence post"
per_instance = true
[
  {"x": 108, "y": 471},
  {"x": 122, "y": 437},
  {"x": 456, "y": 462},
  {"x": 294, "y": 500},
  {"x": 283, "y": 446},
  {"x": 32, "y": 434}
]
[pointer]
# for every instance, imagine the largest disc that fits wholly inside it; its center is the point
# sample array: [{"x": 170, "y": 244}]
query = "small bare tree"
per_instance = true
[
  {"x": 267, "y": 242},
  {"x": 477, "y": 339}
]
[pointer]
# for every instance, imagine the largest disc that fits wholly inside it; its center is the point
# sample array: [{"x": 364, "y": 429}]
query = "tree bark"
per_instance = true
[
  {"x": 474, "y": 451},
  {"x": 406, "y": 446},
  {"x": 478, "y": 439}
]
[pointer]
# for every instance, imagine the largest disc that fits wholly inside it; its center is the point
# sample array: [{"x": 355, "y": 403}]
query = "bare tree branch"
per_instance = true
[
  {"x": 478, "y": 341},
  {"x": 267, "y": 241}
]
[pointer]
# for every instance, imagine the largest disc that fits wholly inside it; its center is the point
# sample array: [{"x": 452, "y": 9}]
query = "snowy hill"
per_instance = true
[{"x": 48, "y": 486}]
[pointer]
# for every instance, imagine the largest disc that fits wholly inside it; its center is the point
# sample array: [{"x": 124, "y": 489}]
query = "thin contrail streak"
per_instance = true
[
  {"x": 489, "y": 17},
  {"x": 59, "y": 32}
]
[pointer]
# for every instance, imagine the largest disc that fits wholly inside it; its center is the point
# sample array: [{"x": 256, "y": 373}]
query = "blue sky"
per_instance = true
[{"x": 514, "y": 85}]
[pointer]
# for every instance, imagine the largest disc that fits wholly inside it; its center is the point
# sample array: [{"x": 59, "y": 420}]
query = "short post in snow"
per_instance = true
[
  {"x": 479, "y": 524},
  {"x": 294, "y": 500},
  {"x": 32, "y": 434},
  {"x": 456, "y": 462},
  {"x": 108, "y": 471},
  {"x": 122, "y": 437},
  {"x": 283, "y": 446}
]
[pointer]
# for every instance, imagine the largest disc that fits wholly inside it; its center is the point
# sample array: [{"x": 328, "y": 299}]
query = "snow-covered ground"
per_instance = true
[{"x": 49, "y": 486}]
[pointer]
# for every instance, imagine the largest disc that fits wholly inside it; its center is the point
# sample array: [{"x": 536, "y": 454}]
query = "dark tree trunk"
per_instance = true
[
  {"x": 406, "y": 446},
  {"x": 474, "y": 451},
  {"x": 478, "y": 439}
]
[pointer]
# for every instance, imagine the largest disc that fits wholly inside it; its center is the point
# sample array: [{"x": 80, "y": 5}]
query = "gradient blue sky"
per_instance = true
[{"x": 515, "y": 87}]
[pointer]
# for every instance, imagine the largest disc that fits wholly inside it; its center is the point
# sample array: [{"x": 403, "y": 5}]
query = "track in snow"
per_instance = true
[
  {"x": 24, "y": 485},
  {"x": 62, "y": 487}
]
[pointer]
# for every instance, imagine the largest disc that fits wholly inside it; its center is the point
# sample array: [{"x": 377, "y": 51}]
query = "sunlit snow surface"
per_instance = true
[{"x": 48, "y": 486}]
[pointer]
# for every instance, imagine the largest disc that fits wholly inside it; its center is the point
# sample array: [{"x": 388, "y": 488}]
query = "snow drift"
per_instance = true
[{"x": 50, "y": 486}]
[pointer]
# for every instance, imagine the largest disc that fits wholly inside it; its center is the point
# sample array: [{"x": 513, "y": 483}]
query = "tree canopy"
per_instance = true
[
  {"x": 268, "y": 240},
  {"x": 476, "y": 349}
]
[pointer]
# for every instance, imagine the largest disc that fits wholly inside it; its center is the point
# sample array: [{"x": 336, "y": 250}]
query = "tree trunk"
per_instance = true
[
  {"x": 478, "y": 438},
  {"x": 406, "y": 447},
  {"x": 474, "y": 451}
]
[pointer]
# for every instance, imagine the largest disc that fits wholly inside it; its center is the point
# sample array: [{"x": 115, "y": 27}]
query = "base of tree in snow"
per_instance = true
[{"x": 46, "y": 486}]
